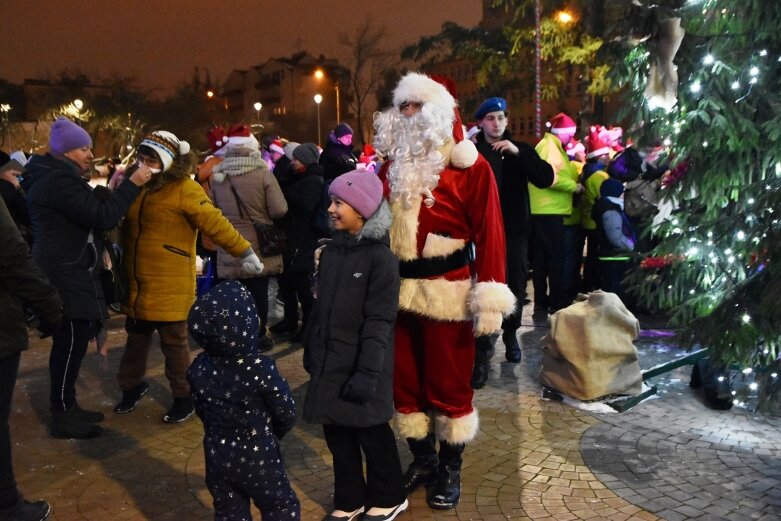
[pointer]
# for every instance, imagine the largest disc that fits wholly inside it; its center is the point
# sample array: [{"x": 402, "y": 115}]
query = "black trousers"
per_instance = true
[
  {"x": 548, "y": 262},
  {"x": 517, "y": 272},
  {"x": 69, "y": 344},
  {"x": 258, "y": 288},
  {"x": 9, "y": 368},
  {"x": 295, "y": 287},
  {"x": 383, "y": 485}
]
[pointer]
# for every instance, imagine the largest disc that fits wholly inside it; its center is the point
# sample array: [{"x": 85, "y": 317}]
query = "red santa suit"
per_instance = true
[{"x": 452, "y": 267}]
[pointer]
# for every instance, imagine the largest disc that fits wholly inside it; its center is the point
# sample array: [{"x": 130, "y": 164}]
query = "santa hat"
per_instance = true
[
  {"x": 241, "y": 140},
  {"x": 574, "y": 148},
  {"x": 562, "y": 124},
  {"x": 276, "y": 146},
  {"x": 167, "y": 146},
  {"x": 596, "y": 147},
  {"x": 217, "y": 139}
]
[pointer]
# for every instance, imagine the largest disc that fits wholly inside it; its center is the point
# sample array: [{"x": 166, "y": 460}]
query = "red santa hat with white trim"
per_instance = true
[
  {"x": 562, "y": 124},
  {"x": 241, "y": 140},
  {"x": 596, "y": 146}
]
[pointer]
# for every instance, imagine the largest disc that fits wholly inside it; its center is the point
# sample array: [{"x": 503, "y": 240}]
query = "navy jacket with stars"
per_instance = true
[
  {"x": 351, "y": 328},
  {"x": 236, "y": 389}
]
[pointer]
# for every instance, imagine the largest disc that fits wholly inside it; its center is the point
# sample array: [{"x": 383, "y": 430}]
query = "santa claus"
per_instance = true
[{"x": 448, "y": 234}]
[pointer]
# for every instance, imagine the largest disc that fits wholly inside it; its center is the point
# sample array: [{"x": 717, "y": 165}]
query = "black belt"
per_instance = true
[{"x": 434, "y": 266}]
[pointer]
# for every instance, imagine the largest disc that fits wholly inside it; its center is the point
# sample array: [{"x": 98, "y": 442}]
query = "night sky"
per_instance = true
[{"x": 160, "y": 44}]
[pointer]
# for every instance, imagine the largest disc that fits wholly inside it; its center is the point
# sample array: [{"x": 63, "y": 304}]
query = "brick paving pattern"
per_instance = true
[{"x": 668, "y": 458}]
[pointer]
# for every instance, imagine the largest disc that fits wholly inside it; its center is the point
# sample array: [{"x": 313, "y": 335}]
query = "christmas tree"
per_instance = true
[{"x": 704, "y": 77}]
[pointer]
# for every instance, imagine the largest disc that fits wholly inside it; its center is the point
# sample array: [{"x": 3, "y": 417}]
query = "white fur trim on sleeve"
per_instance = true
[
  {"x": 464, "y": 154},
  {"x": 414, "y": 425},
  {"x": 456, "y": 430},
  {"x": 491, "y": 296}
]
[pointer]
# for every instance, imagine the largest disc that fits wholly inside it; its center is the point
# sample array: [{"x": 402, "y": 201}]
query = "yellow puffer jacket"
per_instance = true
[{"x": 158, "y": 237}]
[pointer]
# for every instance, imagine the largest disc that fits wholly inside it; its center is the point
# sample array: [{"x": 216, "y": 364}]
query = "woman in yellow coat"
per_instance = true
[{"x": 158, "y": 237}]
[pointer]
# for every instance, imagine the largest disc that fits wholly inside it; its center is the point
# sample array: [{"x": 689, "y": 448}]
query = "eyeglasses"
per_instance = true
[
  {"x": 404, "y": 105},
  {"x": 151, "y": 162}
]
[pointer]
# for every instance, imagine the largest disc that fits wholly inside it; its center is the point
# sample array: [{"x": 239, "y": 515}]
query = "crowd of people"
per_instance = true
[{"x": 407, "y": 262}]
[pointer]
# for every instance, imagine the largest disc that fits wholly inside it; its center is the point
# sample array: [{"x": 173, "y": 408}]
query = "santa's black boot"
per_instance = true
[
  {"x": 424, "y": 466},
  {"x": 483, "y": 352},
  {"x": 512, "y": 349},
  {"x": 447, "y": 491}
]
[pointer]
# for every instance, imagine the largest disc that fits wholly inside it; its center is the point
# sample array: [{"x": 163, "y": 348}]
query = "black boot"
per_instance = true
[
  {"x": 512, "y": 349},
  {"x": 423, "y": 469},
  {"x": 482, "y": 365},
  {"x": 70, "y": 425},
  {"x": 447, "y": 491}
]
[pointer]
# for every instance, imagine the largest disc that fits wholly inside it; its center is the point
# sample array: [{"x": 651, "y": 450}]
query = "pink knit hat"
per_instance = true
[{"x": 361, "y": 189}]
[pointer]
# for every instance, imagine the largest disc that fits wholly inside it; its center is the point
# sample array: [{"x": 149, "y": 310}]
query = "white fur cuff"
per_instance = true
[
  {"x": 491, "y": 296},
  {"x": 456, "y": 430},
  {"x": 487, "y": 323},
  {"x": 413, "y": 425}
]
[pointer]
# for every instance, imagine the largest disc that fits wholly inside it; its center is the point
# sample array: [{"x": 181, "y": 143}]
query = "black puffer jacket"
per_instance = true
[
  {"x": 336, "y": 159},
  {"x": 351, "y": 329},
  {"x": 302, "y": 191},
  {"x": 68, "y": 221},
  {"x": 21, "y": 282}
]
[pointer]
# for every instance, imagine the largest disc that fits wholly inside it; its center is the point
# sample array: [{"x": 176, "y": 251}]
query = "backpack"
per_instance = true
[{"x": 641, "y": 198}]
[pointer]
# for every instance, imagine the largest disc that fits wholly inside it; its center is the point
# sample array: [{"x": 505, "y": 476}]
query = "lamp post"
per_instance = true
[
  {"x": 319, "y": 74},
  {"x": 563, "y": 17},
  {"x": 5, "y": 108},
  {"x": 258, "y": 105},
  {"x": 318, "y": 99}
]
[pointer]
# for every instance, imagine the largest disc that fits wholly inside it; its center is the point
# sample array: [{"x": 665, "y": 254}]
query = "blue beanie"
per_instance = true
[
  {"x": 343, "y": 129},
  {"x": 491, "y": 105},
  {"x": 611, "y": 188},
  {"x": 66, "y": 136}
]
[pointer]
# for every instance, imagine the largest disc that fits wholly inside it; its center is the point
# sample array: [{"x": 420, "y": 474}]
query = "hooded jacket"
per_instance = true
[
  {"x": 21, "y": 283},
  {"x": 68, "y": 220},
  {"x": 259, "y": 191},
  {"x": 351, "y": 327},
  {"x": 158, "y": 238},
  {"x": 336, "y": 159},
  {"x": 236, "y": 390}
]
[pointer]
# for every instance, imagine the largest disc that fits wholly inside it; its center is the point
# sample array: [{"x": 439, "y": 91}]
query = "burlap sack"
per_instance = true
[{"x": 588, "y": 353}]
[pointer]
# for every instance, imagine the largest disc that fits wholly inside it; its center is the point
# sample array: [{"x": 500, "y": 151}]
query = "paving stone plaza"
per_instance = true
[{"x": 668, "y": 458}]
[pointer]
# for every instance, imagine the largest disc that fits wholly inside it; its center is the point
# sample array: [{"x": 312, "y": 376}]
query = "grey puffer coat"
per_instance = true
[{"x": 351, "y": 329}]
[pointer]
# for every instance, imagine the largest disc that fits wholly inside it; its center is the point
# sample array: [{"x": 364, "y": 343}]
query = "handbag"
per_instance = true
[
  {"x": 114, "y": 281},
  {"x": 271, "y": 239}
]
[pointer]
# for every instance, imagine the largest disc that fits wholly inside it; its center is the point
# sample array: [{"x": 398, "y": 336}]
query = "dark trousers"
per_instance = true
[
  {"x": 573, "y": 259},
  {"x": 517, "y": 272},
  {"x": 258, "y": 288},
  {"x": 295, "y": 287},
  {"x": 69, "y": 345},
  {"x": 383, "y": 485},
  {"x": 591, "y": 270},
  {"x": 548, "y": 261},
  {"x": 612, "y": 274},
  {"x": 9, "y": 368},
  {"x": 173, "y": 344}
]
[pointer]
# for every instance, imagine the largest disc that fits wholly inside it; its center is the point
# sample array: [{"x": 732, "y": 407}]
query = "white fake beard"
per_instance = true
[{"x": 413, "y": 144}]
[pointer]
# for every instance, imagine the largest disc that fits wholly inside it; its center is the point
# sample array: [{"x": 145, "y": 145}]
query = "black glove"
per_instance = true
[{"x": 360, "y": 388}]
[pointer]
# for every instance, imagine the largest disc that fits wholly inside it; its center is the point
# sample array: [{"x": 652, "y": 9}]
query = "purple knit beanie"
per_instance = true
[
  {"x": 66, "y": 136},
  {"x": 343, "y": 129},
  {"x": 361, "y": 189}
]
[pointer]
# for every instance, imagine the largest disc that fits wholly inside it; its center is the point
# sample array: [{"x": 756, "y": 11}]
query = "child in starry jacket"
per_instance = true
[{"x": 245, "y": 406}]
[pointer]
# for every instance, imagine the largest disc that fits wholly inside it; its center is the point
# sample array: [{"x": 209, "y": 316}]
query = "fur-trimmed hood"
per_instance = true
[
  {"x": 184, "y": 166},
  {"x": 375, "y": 229}
]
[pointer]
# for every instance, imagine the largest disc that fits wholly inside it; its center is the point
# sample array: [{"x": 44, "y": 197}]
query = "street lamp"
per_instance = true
[
  {"x": 319, "y": 74},
  {"x": 78, "y": 105},
  {"x": 258, "y": 105},
  {"x": 318, "y": 99}
]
